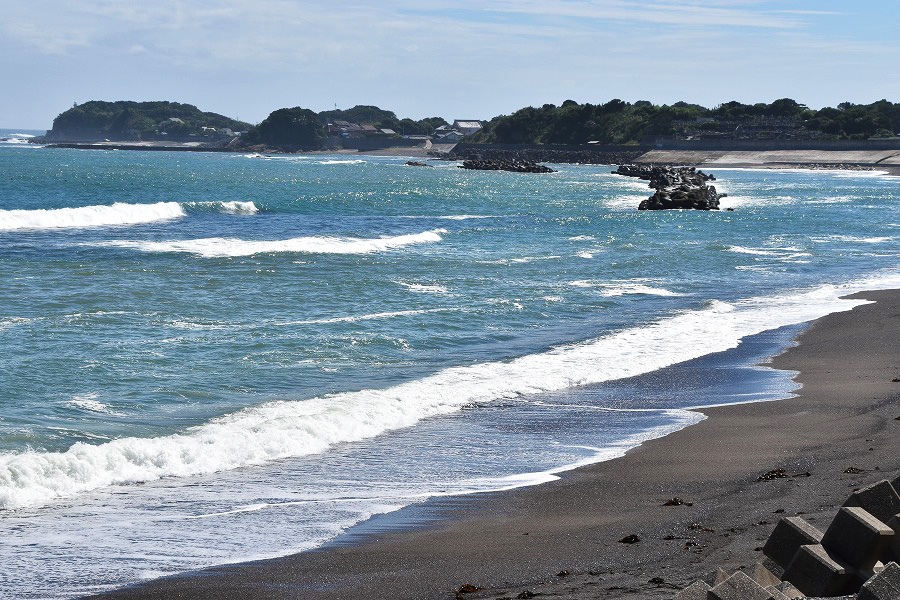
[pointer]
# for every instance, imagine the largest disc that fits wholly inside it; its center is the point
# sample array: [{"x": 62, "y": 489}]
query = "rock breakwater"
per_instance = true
[
  {"x": 516, "y": 166},
  {"x": 676, "y": 187}
]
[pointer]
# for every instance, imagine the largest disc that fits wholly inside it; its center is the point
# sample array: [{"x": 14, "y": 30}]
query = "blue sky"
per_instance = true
[{"x": 460, "y": 59}]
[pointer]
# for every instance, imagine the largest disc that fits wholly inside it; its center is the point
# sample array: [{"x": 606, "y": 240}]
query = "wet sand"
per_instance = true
[{"x": 560, "y": 539}]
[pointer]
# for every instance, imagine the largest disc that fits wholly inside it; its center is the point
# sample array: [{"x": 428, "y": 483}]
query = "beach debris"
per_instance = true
[
  {"x": 895, "y": 380},
  {"x": 630, "y": 539},
  {"x": 676, "y": 501},
  {"x": 855, "y": 470},
  {"x": 563, "y": 573},
  {"x": 515, "y": 165},
  {"x": 789, "y": 535},
  {"x": 778, "y": 473},
  {"x": 880, "y": 499},
  {"x": 526, "y": 594},
  {"x": 468, "y": 588},
  {"x": 883, "y": 586}
]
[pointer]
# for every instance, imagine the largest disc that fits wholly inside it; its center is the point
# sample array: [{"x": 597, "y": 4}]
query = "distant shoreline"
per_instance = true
[{"x": 881, "y": 160}]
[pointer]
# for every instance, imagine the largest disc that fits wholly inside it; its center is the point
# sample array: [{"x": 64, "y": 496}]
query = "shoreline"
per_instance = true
[
  {"x": 887, "y": 161},
  {"x": 525, "y": 538}
]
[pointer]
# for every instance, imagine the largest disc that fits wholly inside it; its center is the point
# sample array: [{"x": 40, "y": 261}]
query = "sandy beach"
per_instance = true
[{"x": 561, "y": 539}]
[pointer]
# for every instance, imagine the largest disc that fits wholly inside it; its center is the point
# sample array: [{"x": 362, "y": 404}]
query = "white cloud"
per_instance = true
[{"x": 437, "y": 57}]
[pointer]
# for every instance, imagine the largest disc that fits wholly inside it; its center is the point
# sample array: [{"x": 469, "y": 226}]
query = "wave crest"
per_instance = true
[
  {"x": 119, "y": 213},
  {"x": 285, "y": 429},
  {"x": 233, "y": 247}
]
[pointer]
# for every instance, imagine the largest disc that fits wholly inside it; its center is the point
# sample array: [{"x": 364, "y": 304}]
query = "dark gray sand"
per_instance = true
[{"x": 561, "y": 539}]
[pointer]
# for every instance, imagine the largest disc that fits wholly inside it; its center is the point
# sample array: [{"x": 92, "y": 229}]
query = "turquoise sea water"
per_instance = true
[{"x": 216, "y": 357}]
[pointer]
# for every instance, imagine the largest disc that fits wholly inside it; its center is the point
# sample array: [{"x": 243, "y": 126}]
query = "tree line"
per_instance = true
[{"x": 614, "y": 122}]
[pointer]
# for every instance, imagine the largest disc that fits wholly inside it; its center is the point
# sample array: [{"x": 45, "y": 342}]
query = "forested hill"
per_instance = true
[
  {"x": 125, "y": 120},
  {"x": 618, "y": 122},
  {"x": 382, "y": 119}
]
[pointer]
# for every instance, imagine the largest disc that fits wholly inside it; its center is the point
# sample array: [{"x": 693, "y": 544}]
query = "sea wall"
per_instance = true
[
  {"x": 555, "y": 153},
  {"x": 768, "y": 145}
]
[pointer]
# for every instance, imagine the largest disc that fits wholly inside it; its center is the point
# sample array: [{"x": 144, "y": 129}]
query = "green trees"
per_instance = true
[
  {"x": 137, "y": 120},
  {"x": 290, "y": 127},
  {"x": 382, "y": 119},
  {"x": 618, "y": 122}
]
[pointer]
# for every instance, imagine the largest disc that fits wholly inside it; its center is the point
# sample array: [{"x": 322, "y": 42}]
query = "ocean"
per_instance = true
[{"x": 210, "y": 358}]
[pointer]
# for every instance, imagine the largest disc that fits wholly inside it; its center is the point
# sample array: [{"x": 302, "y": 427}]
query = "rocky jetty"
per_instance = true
[
  {"x": 517, "y": 166},
  {"x": 854, "y": 559},
  {"x": 548, "y": 154},
  {"x": 676, "y": 187}
]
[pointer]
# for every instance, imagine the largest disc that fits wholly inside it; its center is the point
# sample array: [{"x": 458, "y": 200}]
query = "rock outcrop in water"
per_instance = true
[
  {"x": 676, "y": 187},
  {"x": 517, "y": 166}
]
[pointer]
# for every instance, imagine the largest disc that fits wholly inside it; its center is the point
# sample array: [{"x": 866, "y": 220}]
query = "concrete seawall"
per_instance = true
[{"x": 889, "y": 160}]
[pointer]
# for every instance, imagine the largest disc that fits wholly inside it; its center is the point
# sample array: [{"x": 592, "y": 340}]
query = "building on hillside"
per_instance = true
[
  {"x": 345, "y": 129},
  {"x": 467, "y": 127},
  {"x": 450, "y": 137}
]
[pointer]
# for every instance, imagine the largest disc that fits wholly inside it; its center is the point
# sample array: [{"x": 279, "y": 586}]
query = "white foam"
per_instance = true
[
  {"x": 851, "y": 238},
  {"x": 232, "y": 247},
  {"x": 90, "y": 403},
  {"x": 6, "y": 322},
  {"x": 449, "y": 217},
  {"x": 424, "y": 288},
  {"x": 520, "y": 260},
  {"x": 284, "y": 429},
  {"x": 367, "y": 317},
  {"x": 781, "y": 253},
  {"x": 119, "y": 213},
  {"x": 621, "y": 288},
  {"x": 341, "y": 162},
  {"x": 234, "y": 207}
]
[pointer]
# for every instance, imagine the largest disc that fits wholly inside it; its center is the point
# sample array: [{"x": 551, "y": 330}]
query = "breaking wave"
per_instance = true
[
  {"x": 283, "y": 429},
  {"x": 232, "y": 247},
  {"x": 119, "y": 213}
]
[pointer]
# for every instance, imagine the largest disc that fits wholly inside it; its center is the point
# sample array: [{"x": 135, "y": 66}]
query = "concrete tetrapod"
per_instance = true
[
  {"x": 815, "y": 573},
  {"x": 883, "y": 586},
  {"x": 857, "y": 537},
  {"x": 790, "y": 533}
]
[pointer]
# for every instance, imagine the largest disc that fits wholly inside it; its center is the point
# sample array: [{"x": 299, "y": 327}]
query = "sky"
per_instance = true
[{"x": 471, "y": 59}]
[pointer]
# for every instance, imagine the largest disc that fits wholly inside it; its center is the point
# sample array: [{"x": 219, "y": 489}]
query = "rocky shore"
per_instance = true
[
  {"x": 545, "y": 155},
  {"x": 516, "y": 166},
  {"x": 676, "y": 187}
]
